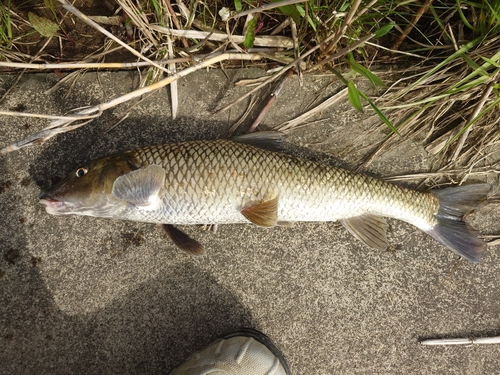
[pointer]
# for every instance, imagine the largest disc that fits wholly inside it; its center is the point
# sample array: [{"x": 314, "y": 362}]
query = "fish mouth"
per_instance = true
[{"x": 52, "y": 205}]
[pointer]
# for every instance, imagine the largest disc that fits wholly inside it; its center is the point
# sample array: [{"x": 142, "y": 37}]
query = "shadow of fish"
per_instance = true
[{"x": 242, "y": 181}]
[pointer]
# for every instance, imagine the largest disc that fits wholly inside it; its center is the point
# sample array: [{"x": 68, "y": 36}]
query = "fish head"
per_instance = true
[{"x": 86, "y": 190}]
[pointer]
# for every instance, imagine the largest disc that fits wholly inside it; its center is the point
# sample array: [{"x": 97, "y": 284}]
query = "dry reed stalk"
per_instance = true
[{"x": 64, "y": 125}]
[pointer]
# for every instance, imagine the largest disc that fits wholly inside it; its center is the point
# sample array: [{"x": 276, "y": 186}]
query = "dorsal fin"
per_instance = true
[
  {"x": 369, "y": 229},
  {"x": 140, "y": 187},
  {"x": 263, "y": 214},
  {"x": 269, "y": 140}
]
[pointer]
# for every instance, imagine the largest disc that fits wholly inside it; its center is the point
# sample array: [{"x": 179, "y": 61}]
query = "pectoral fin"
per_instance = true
[
  {"x": 140, "y": 187},
  {"x": 183, "y": 241},
  {"x": 263, "y": 214},
  {"x": 369, "y": 229}
]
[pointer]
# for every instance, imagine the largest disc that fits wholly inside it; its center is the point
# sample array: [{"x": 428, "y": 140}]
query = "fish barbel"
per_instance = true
[{"x": 235, "y": 181}]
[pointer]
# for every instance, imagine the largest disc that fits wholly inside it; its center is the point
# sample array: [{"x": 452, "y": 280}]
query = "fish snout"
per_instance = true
[
  {"x": 44, "y": 195},
  {"x": 46, "y": 198},
  {"x": 52, "y": 205}
]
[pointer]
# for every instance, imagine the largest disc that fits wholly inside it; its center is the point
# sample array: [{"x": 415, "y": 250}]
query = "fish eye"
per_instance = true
[{"x": 82, "y": 171}]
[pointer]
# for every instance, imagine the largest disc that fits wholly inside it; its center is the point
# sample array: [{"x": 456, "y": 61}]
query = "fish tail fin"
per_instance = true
[{"x": 451, "y": 230}]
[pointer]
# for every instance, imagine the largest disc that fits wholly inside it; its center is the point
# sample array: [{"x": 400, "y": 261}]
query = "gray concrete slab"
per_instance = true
[{"x": 89, "y": 295}]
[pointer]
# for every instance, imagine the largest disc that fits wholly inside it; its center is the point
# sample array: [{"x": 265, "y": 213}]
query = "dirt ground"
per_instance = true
[{"x": 89, "y": 295}]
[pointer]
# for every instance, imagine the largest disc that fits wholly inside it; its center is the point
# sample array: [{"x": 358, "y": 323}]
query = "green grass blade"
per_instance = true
[
  {"x": 353, "y": 95},
  {"x": 238, "y": 6},
  {"x": 6, "y": 28},
  {"x": 157, "y": 11},
  {"x": 494, "y": 17},
  {"x": 358, "y": 68},
  {"x": 290, "y": 11},
  {"x": 461, "y": 51},
  {"x": 491, "y": 62},
  {"x": 250, "y": 35},
  {"x": 431, "y": 99},
  {"x": 462, "y": 16},
  {"x": 364, "y": 96},
  {"x": 471, "y": 84},
  {"x": 302, "y": 13},
  {"x": 473, "y": 65},
  {"x": 379, "y": 113},
  {"x": 384, "y": 30},
  {"x": 437, "y": 18},
  {"x": 466, "y": 82},
  {"x": 339, "y": 75}
]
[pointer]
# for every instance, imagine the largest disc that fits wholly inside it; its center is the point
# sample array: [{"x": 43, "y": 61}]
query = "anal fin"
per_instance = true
[
  {"x": 183, "y": 241},
  {"x": 370, "y": 229},
  {"x": 263, "y": 214}
]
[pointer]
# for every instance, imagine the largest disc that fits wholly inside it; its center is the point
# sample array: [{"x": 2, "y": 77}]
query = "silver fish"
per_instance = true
[{"x": 234, "y": 181}]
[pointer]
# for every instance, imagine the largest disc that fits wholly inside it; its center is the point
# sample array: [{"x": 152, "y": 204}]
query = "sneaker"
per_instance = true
[{"x": 244, "y": 352}]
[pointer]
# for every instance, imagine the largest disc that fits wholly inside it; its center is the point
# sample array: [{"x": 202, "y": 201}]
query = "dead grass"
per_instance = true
[{"x": 447, "y": 97}]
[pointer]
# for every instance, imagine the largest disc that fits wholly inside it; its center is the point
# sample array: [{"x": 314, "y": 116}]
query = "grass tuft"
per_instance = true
[{"x": 6, "y": 26}]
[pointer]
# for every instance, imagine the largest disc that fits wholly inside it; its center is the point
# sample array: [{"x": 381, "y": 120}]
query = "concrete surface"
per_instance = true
[{"x": 88, "y": 295}]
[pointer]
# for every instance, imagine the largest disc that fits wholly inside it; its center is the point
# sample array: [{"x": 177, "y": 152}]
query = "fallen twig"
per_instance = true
[
  {"x": 346, "y": 22},
  {"x": 321, "y": 107},
  {"x": 263, "y": 41},
  {"x": 63, "y": 125},
  {"x": 412, "y": 24},
  {"x": 115, "y": 65},
  {"x": 36, "y": 115}
]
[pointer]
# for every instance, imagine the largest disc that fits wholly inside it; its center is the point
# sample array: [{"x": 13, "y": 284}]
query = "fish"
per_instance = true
[{"x": 247, "y": 179}]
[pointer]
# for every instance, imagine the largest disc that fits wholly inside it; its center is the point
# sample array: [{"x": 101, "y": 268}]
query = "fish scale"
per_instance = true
[
  {"x": 226, "y": 181},
  {"x": 210, "y": 182}
]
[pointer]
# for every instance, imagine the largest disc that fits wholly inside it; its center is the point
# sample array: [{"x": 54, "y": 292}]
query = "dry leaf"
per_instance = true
[{"x": 43, "y": 25}]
